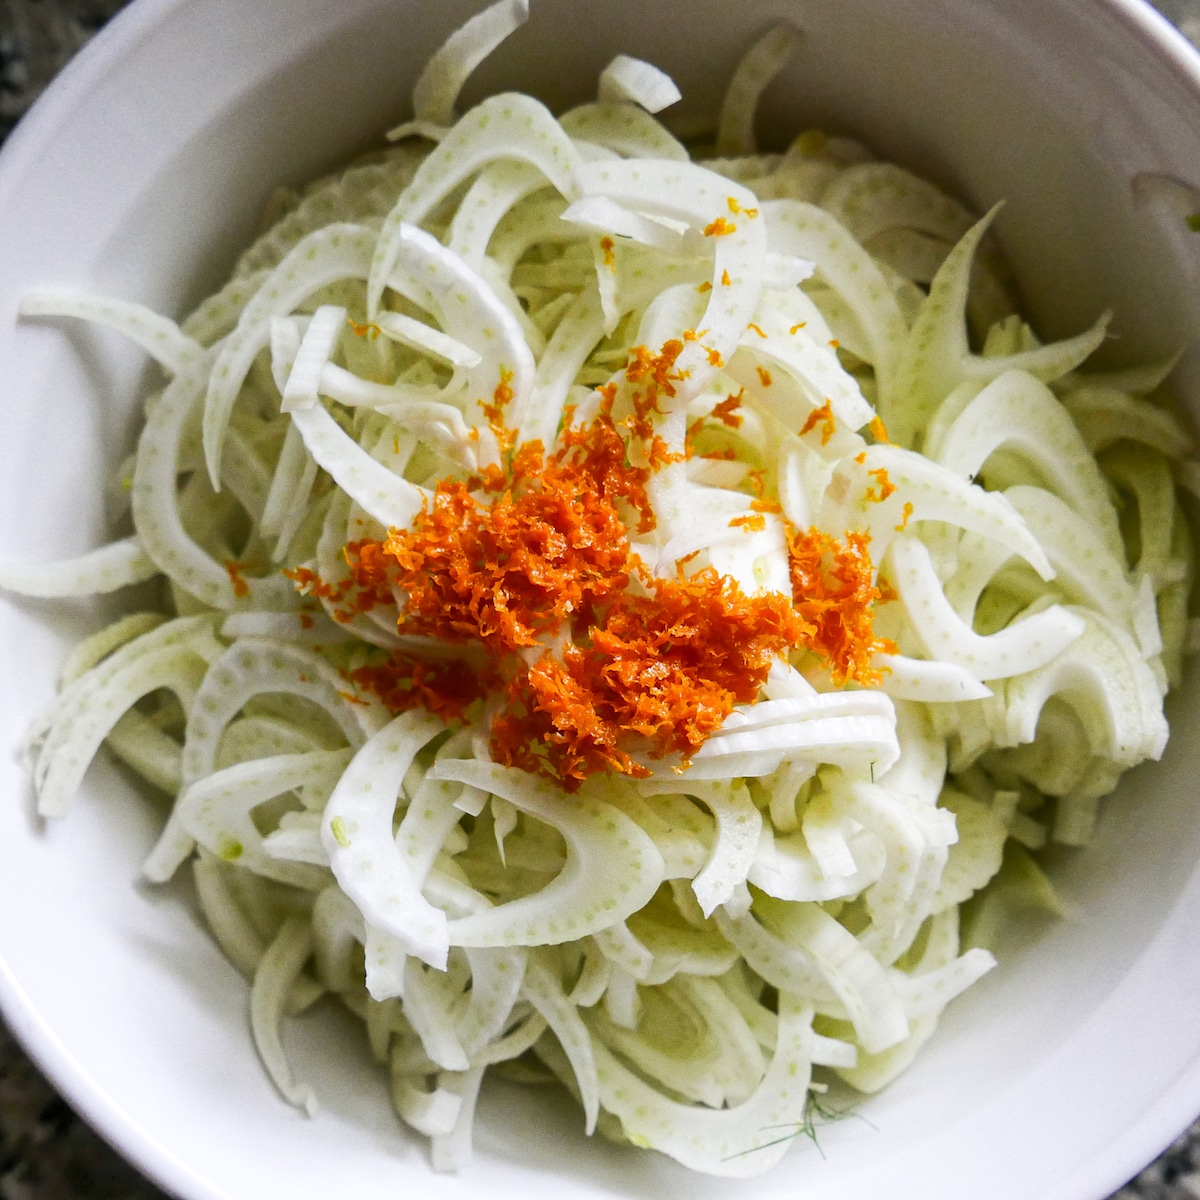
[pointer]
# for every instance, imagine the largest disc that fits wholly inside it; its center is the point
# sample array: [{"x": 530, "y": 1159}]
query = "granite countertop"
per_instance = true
[{"x": 46, "y": 1151}]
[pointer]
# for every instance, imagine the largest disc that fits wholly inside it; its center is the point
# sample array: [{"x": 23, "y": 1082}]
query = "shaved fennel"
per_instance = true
[{"x": 939, "y": 588}]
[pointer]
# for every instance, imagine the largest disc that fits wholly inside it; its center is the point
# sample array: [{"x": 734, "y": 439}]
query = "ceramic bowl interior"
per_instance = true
[{"x": 143, "y": 172}]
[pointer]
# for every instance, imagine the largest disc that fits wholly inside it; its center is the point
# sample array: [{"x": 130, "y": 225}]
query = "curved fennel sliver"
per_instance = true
[
  {"x": 1106, "y": 415},
  {"x": 916, "y": 838},
  {"x": 924, "y": 491},
  {"x": 811, "y": 232},
  {"x": 927, "y": 994},
  {"x": 855, "y": 976},
  {"x": 496, "y": 190},
  {"x": 174, "y": 656},
  {"x": 636, "y": 81},
  {"x": 356, "y": 831},
  {"x": 471, "y": 313},
  {"x": 105, "y": 569},
  {"x": 930, "y": 365},
  {"x": 112, "y": 648},
  {"x": 710, "y": 1054},
  {"x": 738, "y": 826},
  {"x": 786, "y": 867},
  {"x": 248, "y": 668},
  {"x": 927, "y": 681},
  {"x": 155, "y": 507},
  {"x": 1103, "y": 676},
  {"x": 497, "y": 980},
  {"x": 734, "y": 1142},
  {"x": 706, "y": 201},
  {"x": 1018, "y": 414},
  {"x": 1024, "y": 645},
  {"x": 159, "y": 336},
  {"x": 1146, "y": 477},
  {"x": 612, "y": 867},
  {"x": 815, "y": 377},
  {"x": 603, "y": 216},
  {"x": 624, "y": 128},
  {"x": 274, "y": 978},
  {"x": 430, "y": 996},
  {"x": 976, "y": 856},
  {"x": 1085, "y": 568},
  {"x": 506, "y": 126},
  {"x": 851, "y": 729},
  {"x": 391, "y": 500},
  {"x": 575, "y": 336},
  {"x": 216, "y": 809},
  {"x": 339, "y": 251},
  {"x": 443, "y": 76},
  {"x": 543, "y": 990},
  {"x": 321, "y": 334},
  {"x": 755, "y": 70},
  {"x": 1045, "y": 363}
]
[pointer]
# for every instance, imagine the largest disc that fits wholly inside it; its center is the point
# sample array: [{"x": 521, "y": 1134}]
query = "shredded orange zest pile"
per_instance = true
[
  {"x": 833, "y": 591},
  {"x": 906, "y": 514},
  {"x": 608, "y": 247},
  {"x": 719, "y": 228},
  {"x": 656, "y": 677},
  {"x": 879, "y": 430},
  {"x": 525, "y": 574},
  {"x": 764, "y": 376},
  {"x": 509, "y": 572}
]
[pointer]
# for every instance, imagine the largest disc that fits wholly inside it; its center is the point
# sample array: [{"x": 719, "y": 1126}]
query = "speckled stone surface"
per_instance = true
[{"x": 46, "y": 1151}]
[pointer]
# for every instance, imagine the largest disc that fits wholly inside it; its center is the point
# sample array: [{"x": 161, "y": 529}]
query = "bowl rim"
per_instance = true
[
  {"x": 1137, "y": 1144},
  {"x": 120, "y": 36}
]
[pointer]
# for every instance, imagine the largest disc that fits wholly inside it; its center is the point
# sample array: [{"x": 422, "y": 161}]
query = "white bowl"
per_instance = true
[{"x": 140, "y": 174}]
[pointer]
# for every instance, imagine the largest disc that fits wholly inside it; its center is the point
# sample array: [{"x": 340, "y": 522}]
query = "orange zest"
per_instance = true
[
  {"x": 822, "y": 416},
  {"x": 726, "y": 411},
  {"x": 885, "y": 489},
  {"x": 735, "y": 208},
  {"x": 241, "y": 588},
  {"x": 657, "y": 677},
  {"x": 525, "y": 577},
  {"x": 494, "y": 412},
  {"x": 834, "y": 592},
  {"x": 367, "y": 330},
  {"x": 753, "y": 522},
  {"x": 719, "y": 228}
]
